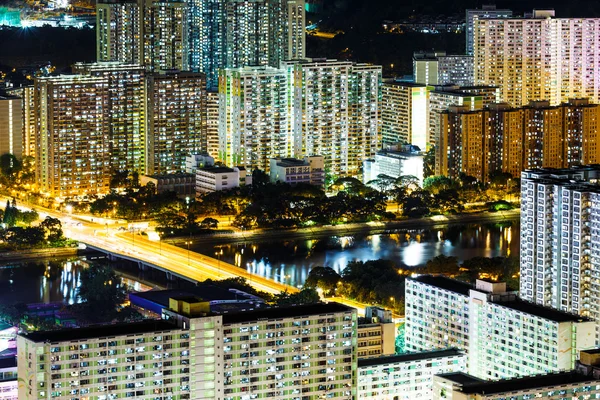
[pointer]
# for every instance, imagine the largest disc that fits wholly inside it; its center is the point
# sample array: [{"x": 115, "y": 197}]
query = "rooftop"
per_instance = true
[
  {"x": 169, "y": 176},
  {"x": 290, "y": 162},
  {"x": 8, "y": 362},
  {"x": 541, "y": 311},
  {"x": 286, "y": 312},
  {"x": 101, "y": 331},
  {"x": 476, "y": 386},
  {"x": 423, "y": 355},
  {"x": 216, "y": 170},
  {"x": 206, "y": 292},
  {"x": 445, "y": 283}
]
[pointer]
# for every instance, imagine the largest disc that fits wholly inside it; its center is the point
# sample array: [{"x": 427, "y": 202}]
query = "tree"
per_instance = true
[
  {"x": 52, "y": 229},
  {"x": 10, "y": 215},
  {"x": 209, "y": 223},
  {"x": 436, "y": 184},
  {"x": 429, "y": 163},
  {"x": 442, "y": 265},
  {"x": 10, "y": 166},
  {"x": 323, "y": 277},
  {"x": 305, "y": 296},
  {"x": 101, "y": 292},
  {"x": 259, "y": 177}
]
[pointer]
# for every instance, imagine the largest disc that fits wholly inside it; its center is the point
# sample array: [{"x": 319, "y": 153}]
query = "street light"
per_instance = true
[
  {"x": 219, "y": 254},
  {"x": 159, "y": 244},
  {"x": 393, "y": 300},
  {"x": 188, "y": 247}
]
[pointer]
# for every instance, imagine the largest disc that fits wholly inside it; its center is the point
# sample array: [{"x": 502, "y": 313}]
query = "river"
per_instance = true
[{"x": 289, "y": 261}]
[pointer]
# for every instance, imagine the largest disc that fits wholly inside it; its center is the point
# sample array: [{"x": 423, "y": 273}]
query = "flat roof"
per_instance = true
[
  {"x": 422, "y": 355},
  {"x": 285, "y": 312},
  {"x": 206, "y": 292},
  {"x": 445, "y": 283},
  {"x": 8, "y": 362},
  {"x": 462, "y": 378},
  {"x": 291, "y": 162},
  {"x": 541, "y": 311},
  {"x": 99, "y": 331},
  {"x": 520, "y": 384},
  {"x": 216, "y": 170}
]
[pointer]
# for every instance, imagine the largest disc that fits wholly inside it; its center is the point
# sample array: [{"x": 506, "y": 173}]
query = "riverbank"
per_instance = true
[
  {"x": 22, "y": 255},
  {"x": 438, "y": 221}
]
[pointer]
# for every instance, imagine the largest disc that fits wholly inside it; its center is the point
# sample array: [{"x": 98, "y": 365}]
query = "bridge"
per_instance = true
[{"x": 173, "y": 260}]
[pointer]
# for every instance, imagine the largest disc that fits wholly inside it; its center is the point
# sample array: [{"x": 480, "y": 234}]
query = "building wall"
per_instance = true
[
  {"x": 514, "y": 139},
  {"x": 404, "y": 114},
  {"x": 165, "y": 35},
  {"x": 176, "y": 124},
  {"x": 376, "y": 339},
  {"x": 11, "y": 126},
  {"x": 405, "y": 380},
  {"x": 485, "y": 12},
  {"x": 126, "y": 114},
  {"x": 72, "y": 135},
  {"x": 253, "y": 117},
  {"x": 501, "y": 342},
  {"x": 555, "y": 270},
  {"x": 550, "y": 59},
  {"x": 119, "y": 31},
  {"x": 212, "y": 124}
]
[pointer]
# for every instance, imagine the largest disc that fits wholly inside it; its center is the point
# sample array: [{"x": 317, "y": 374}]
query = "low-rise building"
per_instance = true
[
  {"x": 376, "y": 333},
  {"x": 182, "y": 183},
  {"x": 212, "y": 179},
  {"x": 195, "y": 161},
  {"x": 8, "y": 378},
  {"x": 408, "y": 160},
  {"x": 406, "y": 376},
  {"x": 293, "y": 171},
  {"x": 560, "y": 385}
]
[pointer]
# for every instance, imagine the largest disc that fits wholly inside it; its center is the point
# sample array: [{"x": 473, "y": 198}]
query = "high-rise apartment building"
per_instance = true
[
  {"x": 560, "y": 238},
  {"x": 282, "y": 353},
  {"x": 336, "y": 111},
  {"x": 502, "y": 138},
  {"x": 28, "y": 118},
  {"x": 126, "y": 114},
  {"x": 437, "y": 68},
  {"x": 487, "y": 11},
  {"x": 440, "y": 98},
  {"x": 503, "y": 335},
  {"x": 176, "y": 125},
  {"x": 166, "y": 44},
  {"x": 11, "y": 126},
  {"x": 404, "y": 114},
  {"x": 236, "y": 34},
  {"x": 212, "y": 123},
  {"x": 539, "y": 58},
  {"x": 143, "y": 32},
  {"x": 72, "y": 135},
  {"x": 555, "y": 386},
  {"x": 119, "y": 31},
  {"x": 254, "y": 115},
  {"x": 406, "y": 376}
]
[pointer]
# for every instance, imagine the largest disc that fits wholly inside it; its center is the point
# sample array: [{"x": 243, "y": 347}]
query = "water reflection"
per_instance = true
[
  {"x": 290, "y": 261},
  {"x": 41, "y": 281}
]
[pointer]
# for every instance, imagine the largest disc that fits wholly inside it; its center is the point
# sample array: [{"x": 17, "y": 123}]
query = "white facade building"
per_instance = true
[
  {"x": 8, "y": 379},
  {"x": 557, "y": 386},
  {"x": 438, "y": 68},
  {"x": 282, "y": 353},
  {"x": 394, "y": 164},
  {"x": 213, "y": 179},
  {"x": 404, "y": 113},
  {"x": 503, "y": 335},
  {"x": 406, "y": 376},
  {"x": 195, "y": 161},
  {"x": 560, "y": 239},
  {"x": 311, "y": 170}
]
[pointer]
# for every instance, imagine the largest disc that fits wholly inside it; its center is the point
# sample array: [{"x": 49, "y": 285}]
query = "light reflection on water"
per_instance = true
[
  {"x": 290, "y": 261},
  {"x": 45, "y": 281}
]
